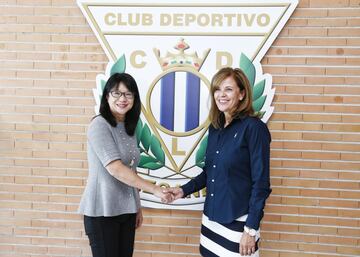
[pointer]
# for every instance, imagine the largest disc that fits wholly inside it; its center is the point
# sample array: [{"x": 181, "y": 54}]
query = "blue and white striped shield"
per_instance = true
[{"x": 183, "y": 99}]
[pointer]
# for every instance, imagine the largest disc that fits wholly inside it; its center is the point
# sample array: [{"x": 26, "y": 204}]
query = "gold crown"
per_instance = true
[{"x": 181, "y": 59}]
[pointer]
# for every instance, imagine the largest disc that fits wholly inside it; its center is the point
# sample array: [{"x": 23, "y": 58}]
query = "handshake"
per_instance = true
[{"x": 168, "y": 195}]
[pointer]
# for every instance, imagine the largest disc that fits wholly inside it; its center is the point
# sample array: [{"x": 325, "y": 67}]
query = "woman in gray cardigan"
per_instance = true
[{"x": 110, "y": 203}]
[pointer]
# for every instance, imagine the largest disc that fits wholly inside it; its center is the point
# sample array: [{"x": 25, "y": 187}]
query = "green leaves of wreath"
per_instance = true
[
  {"x": 152, "y": 155},
  {"x": 258, "y": 101},
  {"x": 200, "y": 154}
]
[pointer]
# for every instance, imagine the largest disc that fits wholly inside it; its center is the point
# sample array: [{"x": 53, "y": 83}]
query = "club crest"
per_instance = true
[{"x": 173, "y": 49}]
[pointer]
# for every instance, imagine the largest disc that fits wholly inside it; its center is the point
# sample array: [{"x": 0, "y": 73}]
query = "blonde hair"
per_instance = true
[{"x": 244, "y": 107}]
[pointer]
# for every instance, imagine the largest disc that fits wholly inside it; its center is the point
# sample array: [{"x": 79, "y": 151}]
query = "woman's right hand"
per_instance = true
[
  {"x": 166, "y": 197},
  {"x": 176, "y": 192}
]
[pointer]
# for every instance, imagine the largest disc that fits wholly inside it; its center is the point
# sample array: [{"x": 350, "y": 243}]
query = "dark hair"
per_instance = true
[
  {"x": 132, "y": 116},
  {"x": 244, "y": 108}
]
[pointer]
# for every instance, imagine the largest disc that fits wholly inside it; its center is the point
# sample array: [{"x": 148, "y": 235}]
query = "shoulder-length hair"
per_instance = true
[
  {"x": 132, "y": 116},
  {"x": 244, "y": 108}
]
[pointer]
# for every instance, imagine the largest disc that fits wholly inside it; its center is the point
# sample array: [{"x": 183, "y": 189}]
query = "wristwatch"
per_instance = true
[{"x": 250, "y": 231}]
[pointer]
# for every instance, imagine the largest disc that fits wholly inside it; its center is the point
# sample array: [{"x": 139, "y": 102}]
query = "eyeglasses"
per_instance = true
[{"x": 118, "y": 94}]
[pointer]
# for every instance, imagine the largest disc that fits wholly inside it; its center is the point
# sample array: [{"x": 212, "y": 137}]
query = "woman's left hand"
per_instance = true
[
  {"x": 247, "y": 245},
  {"x": 139, "y": 219}
]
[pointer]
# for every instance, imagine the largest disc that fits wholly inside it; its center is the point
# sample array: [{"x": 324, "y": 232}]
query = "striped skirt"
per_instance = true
[{"x": 222, "y": 240}]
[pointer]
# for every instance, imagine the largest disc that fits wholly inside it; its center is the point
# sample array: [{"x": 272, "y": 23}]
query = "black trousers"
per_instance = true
[{"x": 111, "y": 236}]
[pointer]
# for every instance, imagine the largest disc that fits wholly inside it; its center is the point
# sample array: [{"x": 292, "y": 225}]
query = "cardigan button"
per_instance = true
[
  {"x": 217, "y": 151},
  {"x": 214, "y": 166},
  {"x": 213, "y": 180},
  {"x": 211, "y": 194}
]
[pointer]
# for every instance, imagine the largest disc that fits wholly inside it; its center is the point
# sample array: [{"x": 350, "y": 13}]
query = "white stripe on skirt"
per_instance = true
[{"x": 220, "y": 230}]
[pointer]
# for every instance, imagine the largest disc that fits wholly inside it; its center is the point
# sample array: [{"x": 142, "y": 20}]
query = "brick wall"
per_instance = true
[{"x": 49, "y": 59}]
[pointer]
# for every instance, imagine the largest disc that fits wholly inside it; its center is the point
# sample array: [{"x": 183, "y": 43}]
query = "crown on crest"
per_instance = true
[{"x": 181, "y": 59}]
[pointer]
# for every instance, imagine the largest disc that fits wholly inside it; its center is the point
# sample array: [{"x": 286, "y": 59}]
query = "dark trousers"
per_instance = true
[{"x": 111, "y": 236}]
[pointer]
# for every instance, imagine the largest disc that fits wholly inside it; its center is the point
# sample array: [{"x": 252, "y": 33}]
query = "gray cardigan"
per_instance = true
[{"x": 104, "y": 195}]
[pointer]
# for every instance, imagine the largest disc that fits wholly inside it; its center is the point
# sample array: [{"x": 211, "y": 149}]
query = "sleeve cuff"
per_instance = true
[
  {"x": 187, "y": 188},
  {"x": 252, "y": 223}
]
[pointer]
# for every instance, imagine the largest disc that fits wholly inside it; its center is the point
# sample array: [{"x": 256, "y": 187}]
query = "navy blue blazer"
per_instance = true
[{"x": 236, "y": 172}]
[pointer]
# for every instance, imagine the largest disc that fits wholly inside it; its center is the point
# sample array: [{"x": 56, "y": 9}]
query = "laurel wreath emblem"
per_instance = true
[
  {"x": 258, "y": 101},
  {"x": 152, "y": 155}
]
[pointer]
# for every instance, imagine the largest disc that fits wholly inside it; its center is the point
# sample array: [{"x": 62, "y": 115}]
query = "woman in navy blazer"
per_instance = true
[{"x": 236, "y": 172}]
